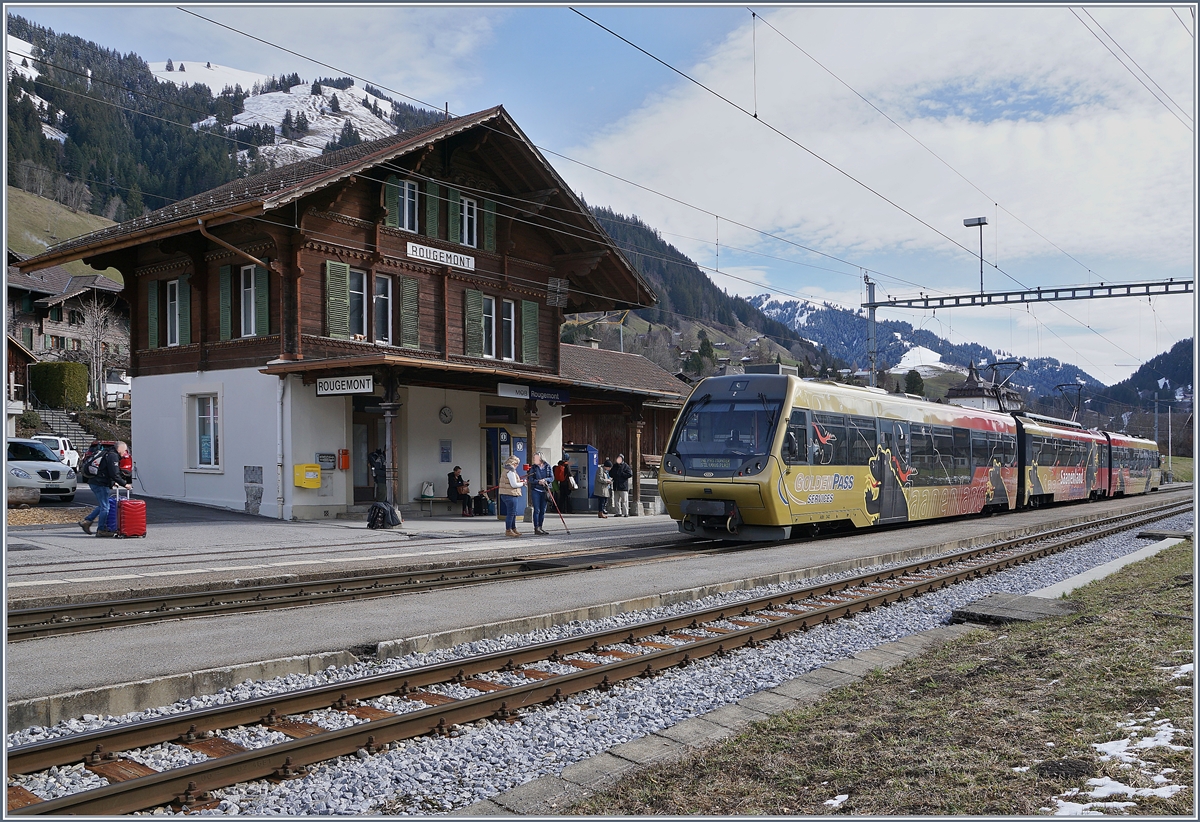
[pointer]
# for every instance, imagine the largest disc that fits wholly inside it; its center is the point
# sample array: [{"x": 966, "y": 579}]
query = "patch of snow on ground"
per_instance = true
[
  {"x": 17, "y": 50},
  {"x": 216, "y": 78},
  {"x": 837, "y": 800}
]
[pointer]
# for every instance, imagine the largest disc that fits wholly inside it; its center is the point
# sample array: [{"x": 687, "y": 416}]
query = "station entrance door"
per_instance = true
[{"x": 499, "y": 443}]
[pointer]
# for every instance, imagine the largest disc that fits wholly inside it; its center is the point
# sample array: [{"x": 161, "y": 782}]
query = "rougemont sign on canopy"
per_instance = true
[{"x": 345, "y": 385}]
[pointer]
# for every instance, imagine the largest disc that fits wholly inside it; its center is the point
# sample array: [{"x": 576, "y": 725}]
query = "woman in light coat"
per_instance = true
[
  {"x": 510, "y": 495},
  {"x": 603, "y": 485}
]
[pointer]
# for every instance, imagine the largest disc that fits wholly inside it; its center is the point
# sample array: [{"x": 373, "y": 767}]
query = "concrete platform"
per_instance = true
[{"x": 117, "y": 670}]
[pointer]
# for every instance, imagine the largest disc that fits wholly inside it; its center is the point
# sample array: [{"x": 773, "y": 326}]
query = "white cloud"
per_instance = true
[{"x": 1104, "y": 171}]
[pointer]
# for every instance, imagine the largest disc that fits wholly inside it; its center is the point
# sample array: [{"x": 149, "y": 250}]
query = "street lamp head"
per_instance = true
[{"x": 974, "y": 221}]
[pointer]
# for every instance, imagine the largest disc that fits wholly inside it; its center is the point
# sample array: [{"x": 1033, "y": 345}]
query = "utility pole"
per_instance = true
[
  {"x": 1156, "y": 416},
  {"x": 870, "y": 328},
  {"x": 1169, "y": 440}
]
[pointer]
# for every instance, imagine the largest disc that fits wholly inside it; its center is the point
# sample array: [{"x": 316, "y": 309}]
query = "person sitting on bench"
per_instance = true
[{"x": 459, "y": 490}]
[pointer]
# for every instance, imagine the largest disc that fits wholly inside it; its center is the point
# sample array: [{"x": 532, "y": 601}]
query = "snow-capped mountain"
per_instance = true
[
  {"x": 902, "y": 347},
  {"x": 354, "y": 105}
]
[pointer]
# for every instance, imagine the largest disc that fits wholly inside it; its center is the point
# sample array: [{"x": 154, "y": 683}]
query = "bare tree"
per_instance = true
[{"x": 102, "y": 323}]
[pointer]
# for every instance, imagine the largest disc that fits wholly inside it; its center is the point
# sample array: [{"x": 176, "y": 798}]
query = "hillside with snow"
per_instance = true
[
  {"x": 19, "y": 58},
  {"x": 901, "y": 347}
]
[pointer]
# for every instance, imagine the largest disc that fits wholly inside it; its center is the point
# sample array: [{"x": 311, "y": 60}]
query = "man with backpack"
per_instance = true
[{"x": 102, "y": 472}]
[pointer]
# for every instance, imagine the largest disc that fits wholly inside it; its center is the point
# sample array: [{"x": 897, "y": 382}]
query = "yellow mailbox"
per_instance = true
[{"x": 306, "y": 475}]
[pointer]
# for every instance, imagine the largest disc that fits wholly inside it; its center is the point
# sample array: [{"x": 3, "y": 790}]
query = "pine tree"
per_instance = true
[
  {"x": 170, "y": 65},
  {"x": 913, "y": 384},
  {"x": 208, "y": 65},
  {"x": 302, "y": 123},
  {"x": 334, "y": 105},
  {"x": 182, "y": 67},
  {"x": 316, "y": 89}
]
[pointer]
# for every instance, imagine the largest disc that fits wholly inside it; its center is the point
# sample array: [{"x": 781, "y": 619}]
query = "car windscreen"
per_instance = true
[
  {"x": 721, "y": 434},
  {"x": 31, "y": 452}
]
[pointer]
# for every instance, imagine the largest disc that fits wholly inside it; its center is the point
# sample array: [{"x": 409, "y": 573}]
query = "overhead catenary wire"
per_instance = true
[
  {"x": 646, "y": 188},
  {"x": 1128, "y": 69},
  {"x": 1135, "y": 62},
  {"x": 1180, "y": 19}
]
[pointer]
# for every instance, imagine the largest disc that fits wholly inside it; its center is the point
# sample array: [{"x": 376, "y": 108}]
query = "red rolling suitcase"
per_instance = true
[{"x": 131, "y": 516}]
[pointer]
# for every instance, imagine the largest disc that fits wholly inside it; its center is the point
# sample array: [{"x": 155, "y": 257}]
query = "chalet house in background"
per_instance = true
[
  {"x": 53, "y": 314},
  {"x": 404, "y": 294}
]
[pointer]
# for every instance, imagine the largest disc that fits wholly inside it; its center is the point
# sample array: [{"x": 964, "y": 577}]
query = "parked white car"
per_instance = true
[
  {"x": 31, "y": 465},
  {"x": 61, "y": 446}
]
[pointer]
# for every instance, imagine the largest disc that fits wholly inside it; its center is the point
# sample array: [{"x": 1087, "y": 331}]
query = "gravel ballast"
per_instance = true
[{"x": 435, "y": 774}]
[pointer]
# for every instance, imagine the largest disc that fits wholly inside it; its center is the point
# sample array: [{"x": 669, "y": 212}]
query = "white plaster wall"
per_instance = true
[
  {"x": 423, "y": 432},
  {"x": 160, "y": 419},
  {"x": 313, "y": 424},
  {"x": 549, "y": 431}
]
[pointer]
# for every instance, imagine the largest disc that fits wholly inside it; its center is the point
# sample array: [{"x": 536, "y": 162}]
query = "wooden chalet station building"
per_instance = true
[{"x": 404, "y": 294}]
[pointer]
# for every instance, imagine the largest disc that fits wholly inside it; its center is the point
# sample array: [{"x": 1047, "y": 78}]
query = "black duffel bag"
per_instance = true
[{"x": 383, "y": 515}]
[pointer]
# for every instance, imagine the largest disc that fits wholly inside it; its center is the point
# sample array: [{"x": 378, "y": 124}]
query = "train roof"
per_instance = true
[
  {"x": 837, "y": 398},
  {"x": 1130, "y": 441},
  {"x": 1046, "y": 427}
]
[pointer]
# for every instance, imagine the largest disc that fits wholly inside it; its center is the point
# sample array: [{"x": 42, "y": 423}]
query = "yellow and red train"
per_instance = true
[{"x": 767, "y": 456}]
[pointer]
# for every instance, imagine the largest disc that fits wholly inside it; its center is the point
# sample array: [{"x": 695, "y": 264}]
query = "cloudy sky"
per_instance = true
[{"x": 1082, "y": 163}]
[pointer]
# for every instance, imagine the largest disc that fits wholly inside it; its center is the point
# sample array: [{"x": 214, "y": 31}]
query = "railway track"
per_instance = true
[
  {"x": 505, "y": 682},
  {"x": 52, "y": 620}
]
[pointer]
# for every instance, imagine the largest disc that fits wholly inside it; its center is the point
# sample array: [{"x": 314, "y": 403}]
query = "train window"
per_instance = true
[
  {"x": 829, "y": 439},
  {"x": 980, "y": 453},
  {"x": 922, "y": 455},
  {"x": 943, "y": 446},
  {"x": 830, "y": 419},
  {"x": 1009, "y": 442},
  {"x": 862, "y": 440},
  {"x": 795, "y": 442},
  {"x": 962, "y": 449}
]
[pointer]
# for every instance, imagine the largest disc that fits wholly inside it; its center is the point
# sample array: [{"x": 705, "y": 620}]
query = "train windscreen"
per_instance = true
[{"x": 720, "y": 435}]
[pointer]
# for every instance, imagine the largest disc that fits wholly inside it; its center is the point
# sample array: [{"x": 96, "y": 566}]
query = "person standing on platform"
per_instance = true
[
  {"x": 538, "y": 479},
  {"x": 562, "y": 475},
  {"x": 603, "y": 483},
  {"x": 621, "y": 475},
  {"x": 510, "y": 495}
]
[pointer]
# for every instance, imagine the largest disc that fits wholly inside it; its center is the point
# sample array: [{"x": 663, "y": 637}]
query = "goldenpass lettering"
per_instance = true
[{"x": 437, "y": 255}]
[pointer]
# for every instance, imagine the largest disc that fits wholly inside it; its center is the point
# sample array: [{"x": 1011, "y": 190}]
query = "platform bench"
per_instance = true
[{"x": 432, "y": 501}]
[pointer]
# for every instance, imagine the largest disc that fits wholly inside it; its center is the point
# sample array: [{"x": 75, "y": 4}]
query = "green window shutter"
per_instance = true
[
  {"x": 489, "y": 225},
  {"x": 226, "y": 300},
  {"x": 56, "y": 313},
  {"x": 453, "y": 215},
  {"x": 473, "y": 327},
  {"x": 433, "y": 202},
  {"x": 27, "y": 337},
  {"x": 529, "y": 332},
  {"x": 27, "y": 303},
  {"x": 151, "y": 314},
  {"x": 337, "y": 299},
  {"x": 185, "y": 311},
  {"x": 410, "y": 311},
  {"x": 391, "y": 201},
  {"x": 262, "y": 302}
]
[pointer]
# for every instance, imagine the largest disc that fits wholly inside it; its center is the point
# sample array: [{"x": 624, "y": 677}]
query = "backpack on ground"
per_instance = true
[{"x": 383, "y": 515}]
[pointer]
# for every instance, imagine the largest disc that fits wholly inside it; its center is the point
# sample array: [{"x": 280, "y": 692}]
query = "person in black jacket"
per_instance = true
[
  {"x": 621, "y": 473},
  {"x": 459, "y": 490},
  {"x": 108, "y": 476}
]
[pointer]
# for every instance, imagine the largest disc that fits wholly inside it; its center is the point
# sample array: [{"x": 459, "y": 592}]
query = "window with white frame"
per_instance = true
[
  {"x": 358, "y": 305},
  {"x": 408, "y": 205},
  {"x": 248, "y": 301},
  {"x": 207, "y": 444},
  {"x": 383, "y": 309},
  {"x": 508, "y": 329},
  {"x": 489, "y": 326},
  {"x": 173, "y": 312},
  {"x": 469, "y": 212}
]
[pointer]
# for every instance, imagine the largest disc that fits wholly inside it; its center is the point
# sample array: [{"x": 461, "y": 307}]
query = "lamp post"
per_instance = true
[{"x": 981, "y": 222}]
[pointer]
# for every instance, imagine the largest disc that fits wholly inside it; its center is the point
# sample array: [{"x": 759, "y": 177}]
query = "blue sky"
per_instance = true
[{"x": 1025, "y": 118}]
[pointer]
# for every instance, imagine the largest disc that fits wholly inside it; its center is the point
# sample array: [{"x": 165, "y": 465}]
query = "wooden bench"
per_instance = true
[
  {"x": 432, "y": 501},
  {"x": 653, "y": 461}
]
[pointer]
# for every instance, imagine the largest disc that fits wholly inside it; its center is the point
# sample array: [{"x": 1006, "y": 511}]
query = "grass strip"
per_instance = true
[{"x": 995, "y": 723}]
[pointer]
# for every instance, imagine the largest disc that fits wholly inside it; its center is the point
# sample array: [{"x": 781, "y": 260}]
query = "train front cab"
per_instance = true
[
  {"x": 1135, "y": 465},
  {"x": 839, "y": 455},
  {"x": 722, "y": 459},
  {"x": 1060, "y": 461}
]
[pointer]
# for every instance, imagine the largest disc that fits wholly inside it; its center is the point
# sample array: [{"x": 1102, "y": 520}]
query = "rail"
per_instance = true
[{"x": 660, "y": 644}]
